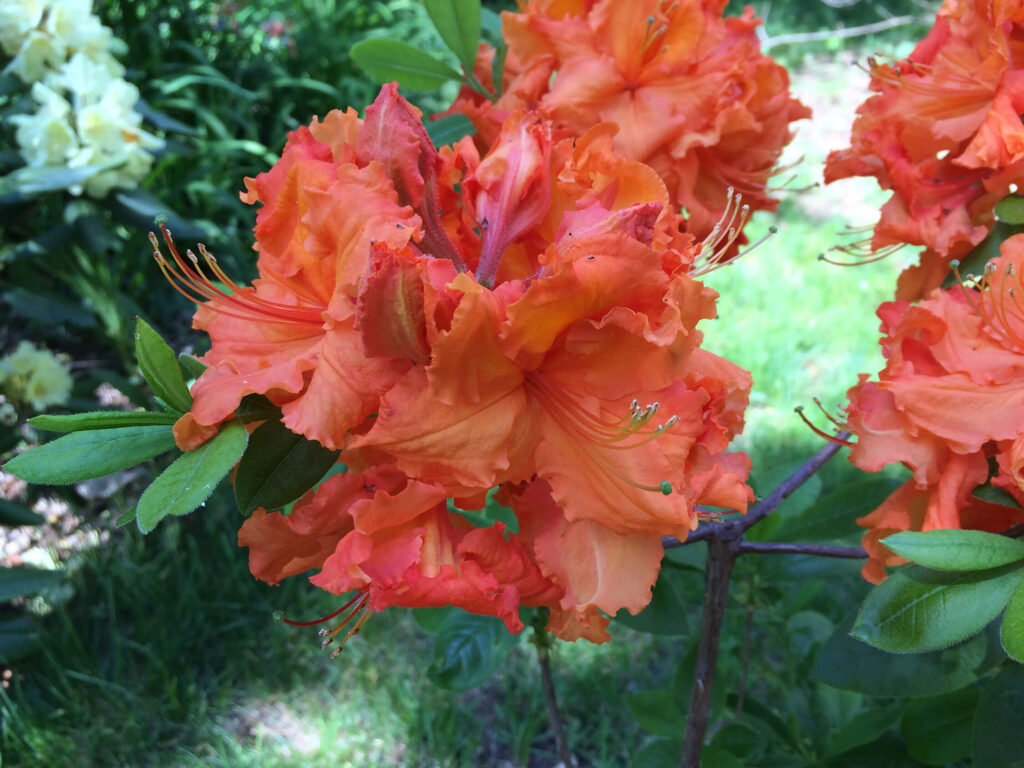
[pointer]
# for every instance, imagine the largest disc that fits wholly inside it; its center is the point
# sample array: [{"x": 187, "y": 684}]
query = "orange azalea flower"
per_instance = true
[
  {"x": 944, "y": 133},
  {"x": 459, "y": 323},
  {"x": 691, "y": 92},
  {"x": 949, "y": 400},
  {"x": 393, "y": 541}
]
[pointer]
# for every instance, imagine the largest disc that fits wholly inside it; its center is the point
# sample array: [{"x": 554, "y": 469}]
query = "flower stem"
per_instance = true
[{"x": 542, "y": 642}]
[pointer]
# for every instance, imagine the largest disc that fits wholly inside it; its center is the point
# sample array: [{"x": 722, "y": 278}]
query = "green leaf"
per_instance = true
[
  {"x": 279, "y": 467},
  {"x": 387, "y": 60},
  {"x": 862, "y": 729},
  {"x": 656, "y": 712},
  {"x": 660, "y": 753},
  {"x": 160, "y": 367},
  {"x": 17, "y": 639},
  {"x": 834, "y": 515},
  {"x": 127, "y": 517},
  {"x": 449, "y": 129},
  {"x": 257, "y": 408},
  {"x": 938, "y": 729},
  {"x": 191, "y": 365},
  {"x": 26, "y": 182},
  {"x": 467, "y": 650},
  {"x": 458, "y": 23},
  {"x": 993, "y": 494},
  {"x": 24, "y": 580},
  {"x": 190, "y": 480},
  {"x": 843, "y": 662},
  {"x": 952, "y": 550},
  {"x": 974, "y": 262},
  {"x": 85, "y": 455},
  {"x": 917, "y": 609},
  {"x": 77, "y": 422},
  {"x": 138, "y": 208},
  {"x": 666, "y": 614},
  {"x": 430, "y": 620},
  {"x": 1011, "y": 209},
  {"x": 1011, "y": 631},
  {"x": 739, "y": 740},
  {"x": 12, "y": 513},
  {"x": 999, "y": 721}
]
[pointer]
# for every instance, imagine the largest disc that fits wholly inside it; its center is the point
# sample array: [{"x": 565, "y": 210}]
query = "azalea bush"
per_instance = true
[{"x": 470, "y": 377}]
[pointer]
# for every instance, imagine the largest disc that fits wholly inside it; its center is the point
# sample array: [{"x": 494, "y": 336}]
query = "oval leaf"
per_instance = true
[
  {"x": 12, "y": 513},
  {"x": 387, "y": 60},
  {"x": 191, "y": 365},
  {"x": 458, "y": 23},
  {"x": 951, "y": 550},
  {"x": 995, "y": 495},
  {"x": 656, "y": 712},
  {"x": 843, "y": 662},
  {"x": 938, "y": 729},
  {"x": 190, "y": 480},
  {"x": 85, "y": 455},
  {"x": 449, "y": 129},
  {"x": 1011, "y": 631},
  {"x": 917, "y": 610},
  {"x": 24, "y": 580},
  {"x": 160, "y": 367},
  {"x": 77, "y": 422},
  {"x": 999, "y": 721},
  {"x": 1010, "y": 209},
  {"x": 467, "y": 650},
  {"x": 279, "y": 467}
]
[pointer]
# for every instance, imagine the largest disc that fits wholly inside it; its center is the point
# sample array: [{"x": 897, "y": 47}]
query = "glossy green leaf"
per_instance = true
[
  {"x": 467, "y": 650},
  {"x": 656, "y": 712},
  {"x": 999, "y": 721},
  {"x": 666, "y": 614},
  {"x": 279, "y": 467},
  {"x": 191, "y": 365},
  {"x": 77, "y": 422},
  {"x": 449, "y": 129},
  {"x": 257, "y": 408},
  {"x": 12, "y": 514},
  {"x": 660, "y": 753},
  {"x": 24, "y": 580},
  {"x": 387, "y": 60},
  {"x": 84, "y": 455},
  {"x": 846, "y": 663},
  {"x": 993, "y": 494},
  {"x": 834, "y": 515},
  {"x": 458, "y": 23},
  {"x": 1011, "y": 631},
  {"x": 1011, "y": 209},
  {"x": 938, "y": 729},
  {"x": 159, "y": 365},
  {"x": 28, "y": 181},
  {"x": 952, "y": 550},
  {"x": 190, "y": 480},
  {"x": 431, "y": 620},
  {"x": 917, "y": 609},
  {"x": 974, "y": 262},
  {"x": 862, "y": 729}
]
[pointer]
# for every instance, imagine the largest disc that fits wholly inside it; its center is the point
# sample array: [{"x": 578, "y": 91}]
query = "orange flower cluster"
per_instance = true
[
  {"x": 691, "y": 92},
  {"x": 943, "y": 132},
  {"x": 455, "y": 323},
  {"x": 949, "y": 405}
]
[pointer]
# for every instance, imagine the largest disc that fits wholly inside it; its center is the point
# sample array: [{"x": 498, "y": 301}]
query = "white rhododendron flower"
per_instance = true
[
  {"x": 35, "y": 377},
  {"x": 86, "y": 110}
]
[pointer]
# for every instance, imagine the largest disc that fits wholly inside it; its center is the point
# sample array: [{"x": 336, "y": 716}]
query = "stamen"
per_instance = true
[
  {"x": 831, "y": 438},
  {"x": 189, "y": 279}
]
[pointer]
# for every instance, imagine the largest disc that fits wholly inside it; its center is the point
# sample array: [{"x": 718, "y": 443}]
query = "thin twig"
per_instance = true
[
  {"x": 721, "y": 556},
  {"x": 542, "y": 642},
  {"x": 830, "y": 34},
  {"x": 780, "y": 548},
  {"x": 732, "y": 529}
]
